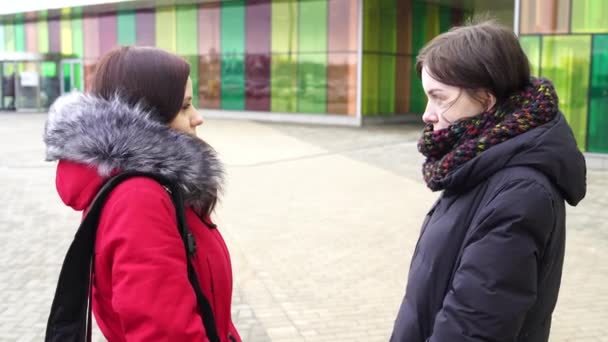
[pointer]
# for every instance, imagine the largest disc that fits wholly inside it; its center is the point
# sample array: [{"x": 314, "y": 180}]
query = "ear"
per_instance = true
[{"x": 490, "y": 100}]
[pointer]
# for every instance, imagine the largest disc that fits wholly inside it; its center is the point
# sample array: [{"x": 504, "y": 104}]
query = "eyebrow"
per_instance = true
[
  {"x": 188, "y": 98},
  {"x": 434, "y": 90}
]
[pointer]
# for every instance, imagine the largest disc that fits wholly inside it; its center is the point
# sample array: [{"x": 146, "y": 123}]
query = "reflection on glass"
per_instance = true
[
  {"x": 91, "y": 41},
  {"x": 107, "y": 33},
  {"x": 233, "y": 82},
  {"x": 342, "y": 26},
  {"x": 566, "y": 62},
  {"x": 312, "y": 87},
  {"x": 209, "y": 28},
  {"x": 342, "y": 83},
  {"x": 284, "y": 75},
  {"x": 531, "y": 46},
  {"x": 54, "y": 36},
  {"x": 28, "y": 84},
  {"x": 598, "y": 120},
  {"x": 402, "y": 84},
  {"x": 257, "y": 83},
  {"x": 258, "y": 65},
  {"x": 209, "y": 81},
  {"x": 589, "y": 16},
  {"x": 544, "y": 16},
  {"x": 145, "y": 21}
]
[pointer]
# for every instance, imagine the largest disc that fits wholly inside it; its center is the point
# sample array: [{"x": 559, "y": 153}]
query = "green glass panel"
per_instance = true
[
  {"x": 78, "y": 36},
  {"x": 187, "y": 31},
  {"x": 233, "y": 82},
  {"x": 284, "y": 26},
  {"x": 67, "y": 72},
  {"x": 371, "y": 26},
  {"x": 312, "y": 60},
  {"x": 566, "y": 61},
  {"x": 233, "y": 27},
  {"x": 312, "y": 83},
  {"x": 284, "y": 72},
  {"x": 77, "y": 68},
  {"x": 193, "y": 61},
  {"x": 2, "y": 44},
  {"x": 49, "y": 69},
  {"x": 126, "y": 28},
  {"x": 9, "y": 37},
  {"x": 233, "y": 60},
  {"x": 284, "y": 63},
  {"x": 598, "y": 117},
  {"x": 445, "y": 18},
  {"x": 370, "y": 84},
  {"x": 419, "y": 28},
  {"x": 388, "y": 26},
  {"x": 313, "y": 26},
  {"x": 386, "y": 85},
  {"x": 43, "y": 32},
  {"x": 166, "y": 28},
  {"x": 19, "y": 33},
  {"x": 589, "y": 16},
  {"x": 531, "y": 46}
]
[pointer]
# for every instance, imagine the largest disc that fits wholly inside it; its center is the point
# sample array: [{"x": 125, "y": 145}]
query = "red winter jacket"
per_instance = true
[{"x": 141, "y": 290}]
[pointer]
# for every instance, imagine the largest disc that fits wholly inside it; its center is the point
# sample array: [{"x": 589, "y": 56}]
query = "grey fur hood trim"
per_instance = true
[{"x": 113, "y": 135}]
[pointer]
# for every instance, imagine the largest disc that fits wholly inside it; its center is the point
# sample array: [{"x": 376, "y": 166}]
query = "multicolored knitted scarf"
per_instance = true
[{"x": 449, "y": 148}]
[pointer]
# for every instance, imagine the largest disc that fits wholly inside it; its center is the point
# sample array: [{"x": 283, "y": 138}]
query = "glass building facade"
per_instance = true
[{"x": 323, "y": 59}]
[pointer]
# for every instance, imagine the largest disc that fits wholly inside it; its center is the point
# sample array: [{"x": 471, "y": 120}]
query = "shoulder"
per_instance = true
[
  {"x": 526, "y": 182},
  {"x": 138, "y": 193}
]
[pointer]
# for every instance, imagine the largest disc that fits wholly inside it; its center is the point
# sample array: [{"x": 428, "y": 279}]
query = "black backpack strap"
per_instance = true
[{"x": 70, "y": 317}]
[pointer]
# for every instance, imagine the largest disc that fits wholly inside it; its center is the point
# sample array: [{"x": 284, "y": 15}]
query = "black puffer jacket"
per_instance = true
[{"x": 488, "y": 264}]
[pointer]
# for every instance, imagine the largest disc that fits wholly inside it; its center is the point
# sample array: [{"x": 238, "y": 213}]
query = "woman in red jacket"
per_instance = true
[{"x": 139, "y": 116}]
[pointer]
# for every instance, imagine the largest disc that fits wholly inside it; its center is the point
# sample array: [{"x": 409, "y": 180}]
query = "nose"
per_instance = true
[
  {"x": 196, "y": 120},
  {"x": 430, "y": 116}
]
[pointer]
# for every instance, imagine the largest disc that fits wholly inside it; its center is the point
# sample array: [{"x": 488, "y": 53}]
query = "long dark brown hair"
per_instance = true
[{"x": 152, "y": 77}]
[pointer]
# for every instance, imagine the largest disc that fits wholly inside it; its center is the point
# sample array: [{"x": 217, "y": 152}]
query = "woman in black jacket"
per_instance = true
[{"x": 488, "y": 263}]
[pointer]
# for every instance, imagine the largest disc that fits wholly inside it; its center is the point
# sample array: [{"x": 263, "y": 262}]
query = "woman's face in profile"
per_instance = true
[
  {"x": 447, "y": 104},
  {"x": 188, "y": 118}
]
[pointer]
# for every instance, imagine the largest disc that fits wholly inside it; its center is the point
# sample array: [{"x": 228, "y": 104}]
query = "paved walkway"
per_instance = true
[{"x": 321, "y": 223}]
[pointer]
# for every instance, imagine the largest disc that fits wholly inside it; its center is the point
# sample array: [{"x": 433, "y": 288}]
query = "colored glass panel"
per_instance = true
[
  {"x": 43, "y": 33},
  {"x": 9, "y": 37},
  {"x": 127, "y": 28},
  {"x": 91, "y": 44},
  {"x": 209, "y": 45},
  {"x": 402, "y": 84},
  {"x": 233, "y": 50},
  {"x": 566, "y": 61},
  {"x": 54, "y": 36},
  {"x": 31, "y": 36},
  {"x": 49, "y": 83},
  {"x": 193, "y": 61},
  {"x": 371, "y": 49},
  {"x": 342, "y": 28},
  {"x": 445, "y": 18},
  {"x": 145, "y": 22},
  {"x": 107, "y": 33},
  {"x": 312, "y": 61},
  {"x": 388, "y": 49},
  {"x": 257, "y": 61},
  {"x": 66, "y": 32},
  {"x": 187, "y": 31},
  {"x": 432, "y": 22},
  {"x": 166, "y": 28},
  {"x": 285, "y": 26},
  {"x": 545, "y": 16},
  {"x": 19, "y": 34},
  {"x": 597, "y": 140},
  {"x": 404, "y": 50},
  {"x": 589, "y": 16},
  {"x": 284, "y": 60},
  {"x": 370, "y": 92},
  {"x": 233, "y": 82},
  {"x": 233, "y": 27},
  {"x": 2, "y": 43},
  {"x": 77, "y": 34},
  {"x": 342, "y": 41},
  {"x": 312, "y": 83},
  {"x": 342, "y": 83},
  {"x": 419, "y": 24},
  {"x": 531, "y": 46}
]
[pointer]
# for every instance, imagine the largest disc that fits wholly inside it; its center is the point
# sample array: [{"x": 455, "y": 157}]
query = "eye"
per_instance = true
[{"x": 186, "y": 106}]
